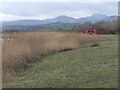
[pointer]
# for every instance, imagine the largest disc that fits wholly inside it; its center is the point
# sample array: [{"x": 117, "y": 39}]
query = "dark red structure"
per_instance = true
[{"x": 94, "y": 32}]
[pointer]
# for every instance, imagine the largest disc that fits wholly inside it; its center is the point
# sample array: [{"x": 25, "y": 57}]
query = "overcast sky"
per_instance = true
[{"x": 43, "y": 10}]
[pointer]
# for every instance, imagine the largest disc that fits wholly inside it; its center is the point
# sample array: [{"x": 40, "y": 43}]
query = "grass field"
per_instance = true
[
  {"x": 87, "y": 67},
  {"x": 26, "y": 46}
]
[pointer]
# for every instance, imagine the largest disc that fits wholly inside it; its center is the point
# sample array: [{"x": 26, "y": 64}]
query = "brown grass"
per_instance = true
[{"x": 16, "y": 54}]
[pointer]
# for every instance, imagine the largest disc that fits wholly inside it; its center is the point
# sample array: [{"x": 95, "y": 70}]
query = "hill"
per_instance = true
[
  {"x": 52, "y": 26},
  {"x": 58, "y": 23},
  {"x": 63, "y": 19}
]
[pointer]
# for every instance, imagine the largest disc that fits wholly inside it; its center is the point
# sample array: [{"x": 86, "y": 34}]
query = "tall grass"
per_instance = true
[{"x": 16, "y": 54}]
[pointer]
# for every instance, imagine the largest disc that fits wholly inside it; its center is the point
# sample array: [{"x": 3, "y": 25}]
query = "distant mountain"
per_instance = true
[
  {"x": 62, "y": 19},
  {"x": 22, "y": 22},
  {"x": 93, "y": 19},
  {"x": 111, "y": 18}
]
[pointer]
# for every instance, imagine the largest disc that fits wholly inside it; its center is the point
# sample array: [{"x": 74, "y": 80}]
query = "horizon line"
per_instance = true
[{"x": 55, "y": 17}]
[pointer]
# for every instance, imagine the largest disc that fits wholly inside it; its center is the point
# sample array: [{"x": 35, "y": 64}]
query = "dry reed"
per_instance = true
[{"x": 16, "y": 54}]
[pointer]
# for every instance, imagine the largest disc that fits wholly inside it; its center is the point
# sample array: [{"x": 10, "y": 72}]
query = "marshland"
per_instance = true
[
  {"x": 17, "y": 54},
  {"x": 59, "y": 45},
  {"x": 31, "y": 47}
]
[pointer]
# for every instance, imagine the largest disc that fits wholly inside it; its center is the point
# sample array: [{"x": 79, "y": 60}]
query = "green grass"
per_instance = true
[{"x": 87, "y": 67}]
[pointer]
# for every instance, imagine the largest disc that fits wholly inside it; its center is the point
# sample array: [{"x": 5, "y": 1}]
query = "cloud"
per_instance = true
[
  {"x": 60, "y": 0},
  {"x": 8, "y": 17},
  {"x": 42, "y": 10}
]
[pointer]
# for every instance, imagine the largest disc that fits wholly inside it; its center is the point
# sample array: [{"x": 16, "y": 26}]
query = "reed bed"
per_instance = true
[{"x": 18, "y": 53}]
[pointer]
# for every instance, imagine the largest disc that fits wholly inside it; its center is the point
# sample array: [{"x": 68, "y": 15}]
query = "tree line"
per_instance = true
[{"x": 111, "y": 27}]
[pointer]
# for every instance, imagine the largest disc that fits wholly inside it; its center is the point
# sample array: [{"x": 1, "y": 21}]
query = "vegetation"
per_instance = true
[
  {"x": 52, "y": 26},
  {"x": 18, "y": 53},
  {"x": 111, "y": 27},
  {"x": 94, "y": 65}
]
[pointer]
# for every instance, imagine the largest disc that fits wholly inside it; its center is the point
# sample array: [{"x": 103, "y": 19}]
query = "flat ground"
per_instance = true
[{"x": 87, "y": 67}]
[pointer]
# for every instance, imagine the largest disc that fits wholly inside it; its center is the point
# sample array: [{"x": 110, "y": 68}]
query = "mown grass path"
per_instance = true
[{"x": 87, "y": 67}]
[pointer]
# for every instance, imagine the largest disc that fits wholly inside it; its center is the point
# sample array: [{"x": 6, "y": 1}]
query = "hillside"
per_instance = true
[
  {"x": 57, "y": 23},
  {"x": 63, "y": 19},
  {"x": 87, "y": 67},
  {"x": 52, "y": 26}
]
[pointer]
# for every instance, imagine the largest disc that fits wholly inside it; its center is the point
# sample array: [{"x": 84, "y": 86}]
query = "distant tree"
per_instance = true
[
  {"x": 86, "y": 25},
  {"x": 111, "y": 27},
  {"x": 15, "y": 30}
]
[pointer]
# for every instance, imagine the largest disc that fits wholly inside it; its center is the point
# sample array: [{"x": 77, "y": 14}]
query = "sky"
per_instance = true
[{"x": 20, "y": 10}]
